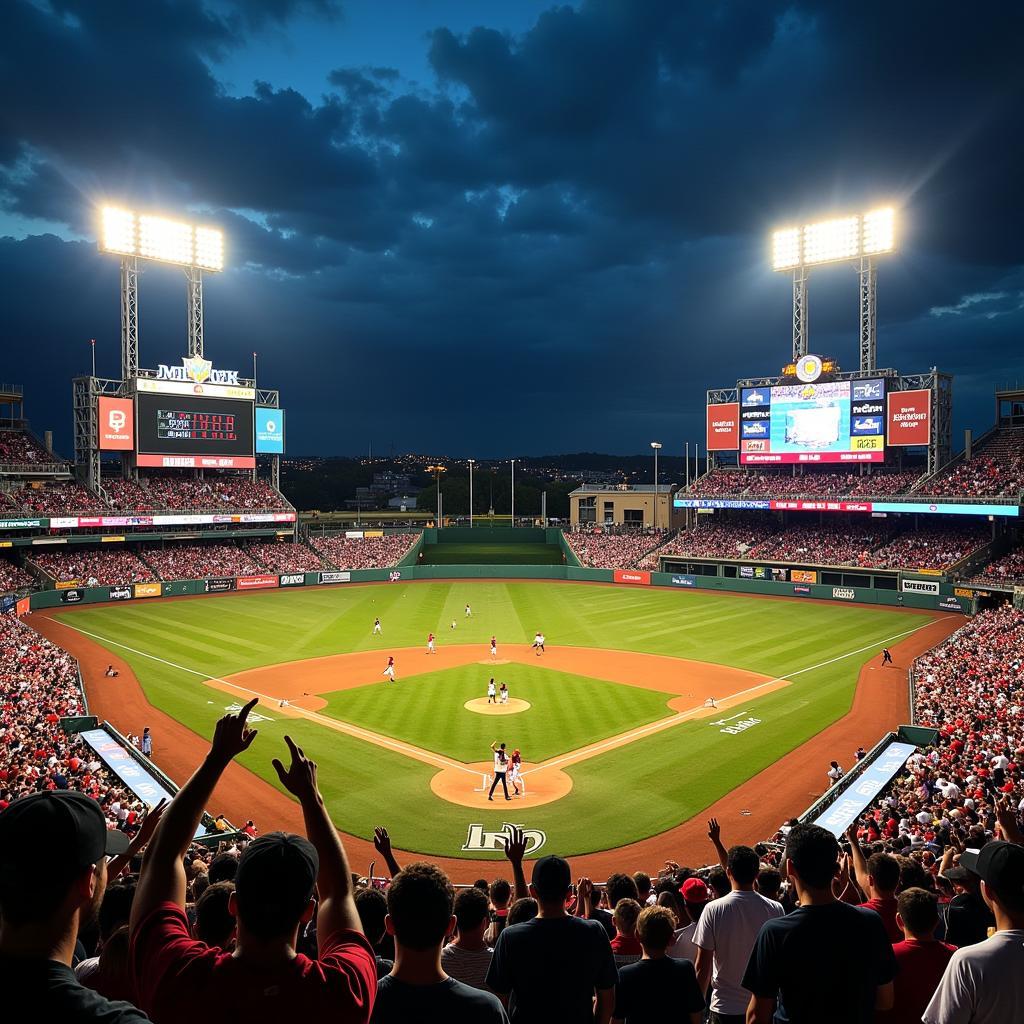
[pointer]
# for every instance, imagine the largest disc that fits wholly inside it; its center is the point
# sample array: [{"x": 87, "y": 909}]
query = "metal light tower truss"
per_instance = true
[
  {"x": 129, "y": 317},
  {"x": 270, "y": 400},
  {"x": 800, "y": 313},
  {"x": 85, "y": 408},
  {"x": 868, "y": 316},
  {"x": 194, "y": 279}
]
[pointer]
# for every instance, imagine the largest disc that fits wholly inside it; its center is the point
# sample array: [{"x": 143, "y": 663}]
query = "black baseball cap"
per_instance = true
[
  {"x": 55, "y": 835},
  {"x": 551, "y": 877},
  {"x": 279, "y": 868},
  {"x": 1001, "y": 867}
]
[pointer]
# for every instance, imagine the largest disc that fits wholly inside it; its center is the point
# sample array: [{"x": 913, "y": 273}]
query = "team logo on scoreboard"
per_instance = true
[
  {"x": 808, "y": 369},
  {"x": 196, "y": 370}
]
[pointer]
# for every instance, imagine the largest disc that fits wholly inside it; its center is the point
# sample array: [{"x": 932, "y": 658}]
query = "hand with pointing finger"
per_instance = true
[
  {"x": 300, "y": 777},
  {"x": 233, "y": 735}
]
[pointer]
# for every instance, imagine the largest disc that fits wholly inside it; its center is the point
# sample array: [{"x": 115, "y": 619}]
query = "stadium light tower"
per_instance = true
[
  {"x": 513, "y": 494},
  {"x": 656, "y": 445},
  {"x": 437, "y": 471},
  {"x": 134, "y": 236},
  {"x": 855, "y": 239},
  {"x": 471, "y": 461}
]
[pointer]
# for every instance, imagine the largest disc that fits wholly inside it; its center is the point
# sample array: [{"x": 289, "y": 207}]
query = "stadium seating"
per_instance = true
[
  {"x": 94, "y": 568},
  {"x": 812, "y": 483},
  {"x": 18, "y": 447},
  {"x": 823, "y": 543},
  {"x": 996, "y": 469},
  {"x": 55, "y": 499},
  {"x": 602, "y": 549},
  {"x": 39, "y": 686},
  {"x": 131, "y": 495},
  {"x": 13, "y": 577},
  {"x": 364, "y": 553},
  {"x": 1007, "y": 569},
  {"x": 930, "y": 547},
  {"x": 285, "y": 556},
  {"x": 198, "y": 561},
  {"x": 736, "y": 537}
]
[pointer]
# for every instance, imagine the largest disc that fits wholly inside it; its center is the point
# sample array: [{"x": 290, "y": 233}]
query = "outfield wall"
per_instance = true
[{"x": 943, "y": 599}]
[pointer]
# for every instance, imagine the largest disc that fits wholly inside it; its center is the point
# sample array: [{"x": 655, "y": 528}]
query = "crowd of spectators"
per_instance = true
[
  {"x": 995, "y": 470},
  {"x": 38, "y": 686},
  {"x": 823, "y": 543},
  {"x": 624, "y": 549},
  {"x": 812, "y": 483},
  {"x": 285, "y": 556},
  {"x": 937, "y": 547},
  {"x": 1008, "y": 568},
  {"x": 719, "y": 537},
  {"x": 131, "y": 495},
  {"x": 363, "y": 552},
  {"x": 198, "y": 561},
  {"x": 13, "y": 577},
  {"x": 66, "y": 497},
  {"x": 93, "y": 567},
  {"x": 18, "y": 447}
]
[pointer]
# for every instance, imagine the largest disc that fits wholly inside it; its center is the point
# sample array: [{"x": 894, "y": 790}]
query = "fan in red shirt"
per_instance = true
[
  {"x": 921, "y": 958},
  {"x": 180, "y": 979}
]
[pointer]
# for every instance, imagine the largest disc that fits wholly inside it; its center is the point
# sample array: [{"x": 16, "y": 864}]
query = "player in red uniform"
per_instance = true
[
  {"x": 389, "y": 669},
  {"x": 431, "y": 649}
]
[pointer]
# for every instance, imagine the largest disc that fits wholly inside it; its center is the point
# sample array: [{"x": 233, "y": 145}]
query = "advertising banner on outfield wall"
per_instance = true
[
  {"x": 24, "y": 606},
  {"x": 844, "y": 594},
  {"x": 951, "y": 604},
  {"x": 634, "y": 576},
  {"x": 803, "y": 576},
  {"x": 293, "y": 579},
  {"x": 115, "y": 421},
  {"x": 335, "y": 577},
  {"x": 919, "y": 586},
  {"x": 148, "y": 589},
  {"x": 909, "y": 418},
  {"x": 256, "y": 582},
  {"x": 801, "y": 589},
  {"x": 219, "y": 584},
  {"x": 723, "y": 427},
  {"x": 120, "y": 593},
  {"x": 72, "y": 596},
  {"x": 682, "y": 580}
]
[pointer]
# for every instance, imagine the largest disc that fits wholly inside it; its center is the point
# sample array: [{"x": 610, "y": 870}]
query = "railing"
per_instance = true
[
  {"x": 830, "y": 796},
  {"x": 35, "y": 468}
]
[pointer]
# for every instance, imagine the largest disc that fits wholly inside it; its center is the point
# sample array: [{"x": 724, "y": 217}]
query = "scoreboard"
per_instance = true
[{"x": 192, "y": 431}]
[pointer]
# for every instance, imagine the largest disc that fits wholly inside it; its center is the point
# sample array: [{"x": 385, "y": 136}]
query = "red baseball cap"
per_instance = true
[{"x": 695, "y": 891}]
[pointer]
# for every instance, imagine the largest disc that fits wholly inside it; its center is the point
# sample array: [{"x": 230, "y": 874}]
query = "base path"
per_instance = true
[{"x": 751, "y": 812}]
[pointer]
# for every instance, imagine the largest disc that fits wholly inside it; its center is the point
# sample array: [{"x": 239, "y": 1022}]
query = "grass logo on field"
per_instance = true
[{"x": 480, "y": 839}]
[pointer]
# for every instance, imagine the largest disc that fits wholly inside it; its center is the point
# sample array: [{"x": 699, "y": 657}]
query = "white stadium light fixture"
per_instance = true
[
  {"x": 126, "y": 233},
  {"x": 834, "y": 241}
]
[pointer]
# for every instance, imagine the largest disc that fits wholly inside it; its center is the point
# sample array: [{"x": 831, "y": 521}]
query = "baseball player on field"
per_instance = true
[
  {"x": 504, "y": 693},
  {"x": 376, "y": 627},
  {"x": 389, "y": 669},
  {"x": 430, "y": 644},
  {"x": 491, "y": 692},
  {"x": 494, "y": 648}
]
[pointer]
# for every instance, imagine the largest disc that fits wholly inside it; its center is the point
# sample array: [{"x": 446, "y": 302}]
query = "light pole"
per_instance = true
[
  {"x": 656, "y": 445},
  {"x": 471, "y": 461},
  {"x": 437, "y": 471},
  {"x": 513, "y": 494}
]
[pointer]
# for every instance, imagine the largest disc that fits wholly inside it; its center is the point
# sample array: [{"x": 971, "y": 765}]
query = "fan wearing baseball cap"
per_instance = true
[
  {"x": 53, "y": 872},
  {"x": 984, "y": 983},
  {"x": 180, "y": 979}
]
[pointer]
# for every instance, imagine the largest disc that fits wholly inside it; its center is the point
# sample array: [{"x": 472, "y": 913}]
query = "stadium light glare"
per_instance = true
[
  {"x": 836, "y": 240},
  {"x": 119, "y": 231},
  {"x": 151, "y": 237}
]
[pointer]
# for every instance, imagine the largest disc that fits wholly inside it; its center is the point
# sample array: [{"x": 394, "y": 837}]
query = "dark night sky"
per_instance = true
[{"x": 508, "y": 228}]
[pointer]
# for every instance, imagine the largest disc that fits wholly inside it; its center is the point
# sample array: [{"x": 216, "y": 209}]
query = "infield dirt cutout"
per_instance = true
[
  {"x": 486, "y": 706},
  {"x": 303, "y": 683}
]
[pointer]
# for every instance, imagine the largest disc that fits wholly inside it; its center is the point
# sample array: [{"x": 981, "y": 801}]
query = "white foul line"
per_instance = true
[{"x": 418, "y": 754}]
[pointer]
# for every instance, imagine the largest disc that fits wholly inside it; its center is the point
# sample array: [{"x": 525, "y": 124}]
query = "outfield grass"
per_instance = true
[
  {"x": 567, "y": 711},
  {"x": 492, "y": 554},
  {"x": 618, "y": 797}
]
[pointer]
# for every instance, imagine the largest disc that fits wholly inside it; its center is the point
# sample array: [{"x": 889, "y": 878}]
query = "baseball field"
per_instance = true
[{"x": 647, "y": 707}]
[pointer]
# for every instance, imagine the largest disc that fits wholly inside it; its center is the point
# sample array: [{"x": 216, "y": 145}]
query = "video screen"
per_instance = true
[
  {"x": 834, "y": 421},
  {"x": 199, "y": 431}
]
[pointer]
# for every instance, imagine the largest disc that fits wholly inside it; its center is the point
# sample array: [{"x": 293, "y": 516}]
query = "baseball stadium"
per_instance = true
[{"x": 676, "y": 653}]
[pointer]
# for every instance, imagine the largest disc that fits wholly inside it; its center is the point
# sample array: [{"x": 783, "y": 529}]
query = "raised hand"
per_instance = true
[
  {"x": 515, "y": 845},
  {"x": 232, "y": 734},
  {"x": 300, "y": 777},
  {"x": 150, "y": 823},
  {"x": 714, "y": 831},
  {"x": 382, "y": 841}
]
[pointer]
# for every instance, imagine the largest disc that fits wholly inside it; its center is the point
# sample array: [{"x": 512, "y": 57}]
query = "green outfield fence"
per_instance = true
[{"x": 943, "y": 600}]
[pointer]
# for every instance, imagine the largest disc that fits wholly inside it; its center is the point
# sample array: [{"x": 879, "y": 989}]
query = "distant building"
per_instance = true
[
  {"x": 622, "y": 505},
  {"x": 406, "y": 501},
  {"x": 390, "y": 482}
]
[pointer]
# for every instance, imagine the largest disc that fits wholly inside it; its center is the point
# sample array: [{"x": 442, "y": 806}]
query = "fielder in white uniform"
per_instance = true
[
  {"x": 504, "y": 693},
  {"x": 376, "y": 627},
  {"x": 491, "y": 692}
]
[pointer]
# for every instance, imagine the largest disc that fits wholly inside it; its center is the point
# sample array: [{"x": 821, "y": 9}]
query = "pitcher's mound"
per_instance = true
[
  {"x": 481, "y": 707},
  {"x": 494, "y": 661}
]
